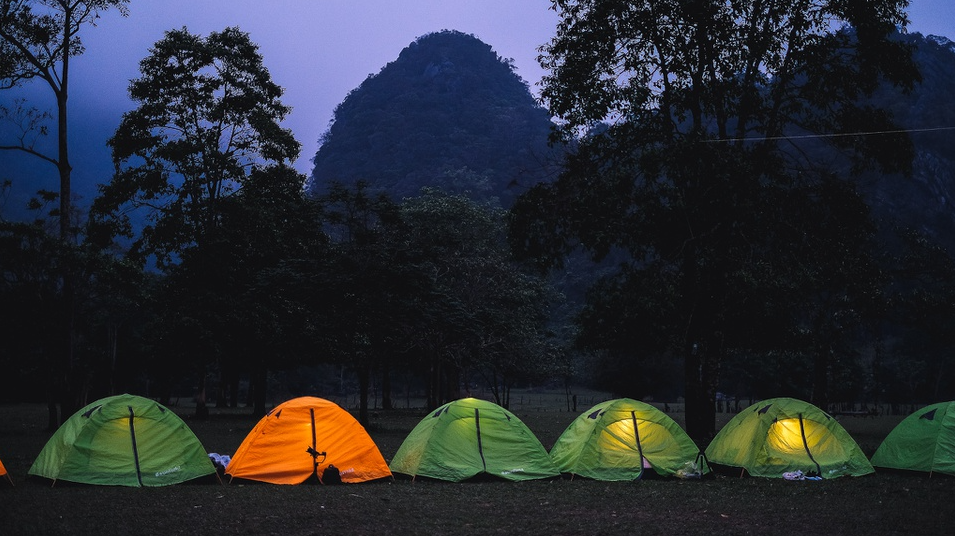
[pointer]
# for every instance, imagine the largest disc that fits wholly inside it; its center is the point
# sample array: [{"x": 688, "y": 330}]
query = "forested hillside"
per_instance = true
[
  {"x": 448, "y": 113},
  {"x": 924, "y": 200}
]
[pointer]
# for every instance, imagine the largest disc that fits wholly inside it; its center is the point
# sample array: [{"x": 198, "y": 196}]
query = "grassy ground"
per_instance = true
[{"x": 877, "y": 504}]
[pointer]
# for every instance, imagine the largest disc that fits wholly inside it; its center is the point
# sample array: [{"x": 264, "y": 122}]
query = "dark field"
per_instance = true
[{"x": 883, "y": 503}]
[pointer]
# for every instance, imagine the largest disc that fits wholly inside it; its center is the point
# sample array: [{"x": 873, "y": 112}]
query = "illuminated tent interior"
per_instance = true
[
  {"x": 123, "y": 440},
  {"x": 923, "y": 441},
  {"x": 619, "y": 439},
  {"x": 300, "y": 439},
  {"x": 471, "y": 437},
  {"x": 785, "y": 435}
]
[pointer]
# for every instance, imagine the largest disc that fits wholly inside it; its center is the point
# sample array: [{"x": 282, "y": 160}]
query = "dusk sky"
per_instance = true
[
  {"x": 320, "y": 50},
  {"x": 317, "y": 50}
]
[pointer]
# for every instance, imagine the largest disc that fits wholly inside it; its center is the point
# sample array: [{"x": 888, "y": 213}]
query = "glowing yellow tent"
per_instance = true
[
  {"x": 784, "y": 435},
  {"x": 123, "y": 440},
  {"x": 619, "y": 439},
  {"x": 300, "y": 439}
]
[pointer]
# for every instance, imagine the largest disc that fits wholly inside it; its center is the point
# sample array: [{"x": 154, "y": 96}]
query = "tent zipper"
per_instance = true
[
  {"x": 477, "y": 426},
  {"x": 636, "y": 435},
  {"x": 805, "y": 444},
  {"x": 132, "y": 436}
]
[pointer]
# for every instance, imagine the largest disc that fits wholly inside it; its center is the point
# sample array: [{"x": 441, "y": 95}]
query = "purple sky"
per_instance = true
[{"x": 319, "y": 50}]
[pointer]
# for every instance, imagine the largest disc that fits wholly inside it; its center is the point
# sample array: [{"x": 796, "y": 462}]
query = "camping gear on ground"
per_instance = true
[
  {"x": 784, "y": 435},
  {"x": 620, "y": 439},
  {"x": 300, "y": 439},
  {"x": 123, "y": 440},
  {"x": 470, "y": 437},
  {"x": 923, "y": 441}
]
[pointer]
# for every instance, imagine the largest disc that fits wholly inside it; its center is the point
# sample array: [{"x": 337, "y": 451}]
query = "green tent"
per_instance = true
[
  {"x": 470, "y": 437},
  {"x": 123, "y": 440},
  {"x": 923, "y": 441},
  {"x": 618, "y": 439},
  {"x": 782, "y": 436}
]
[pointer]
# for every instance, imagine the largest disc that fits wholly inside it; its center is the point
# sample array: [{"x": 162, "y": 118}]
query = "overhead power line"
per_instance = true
[{"x": 834, "y": 135}]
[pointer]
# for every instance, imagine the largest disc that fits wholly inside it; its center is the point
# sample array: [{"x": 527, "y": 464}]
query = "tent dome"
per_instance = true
[
  {"x": 471, "y": 437},
  {"x": 923, "y": 441},
  {"x": 618, "y": 439},
  {"x": 300, "y": 439},
  {"x": 785, "y": 435},
  {"x": 123, "y": 440}
]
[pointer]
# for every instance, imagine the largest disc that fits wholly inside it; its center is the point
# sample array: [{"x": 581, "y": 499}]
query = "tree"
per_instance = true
[
  {"x": 362, "y": 285},
  {"x": 268, "y": 229},
  {"x": 695, "y": 123},
  {"x": 207, "y": 121},
  {"x": 208, "y": 115},
  {"x": 482, "y": 314},
  {"x": 37, "y": 40},
  {"x": 919, "y": 363}
]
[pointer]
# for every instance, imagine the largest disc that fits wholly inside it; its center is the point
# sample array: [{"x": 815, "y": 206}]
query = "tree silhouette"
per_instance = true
[{"x": 684, "y": 112}]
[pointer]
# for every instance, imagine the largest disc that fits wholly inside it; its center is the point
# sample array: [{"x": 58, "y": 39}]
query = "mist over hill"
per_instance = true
[{"x": 447, "y": 113}]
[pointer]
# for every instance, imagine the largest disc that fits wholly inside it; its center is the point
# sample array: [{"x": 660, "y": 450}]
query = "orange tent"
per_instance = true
[
  {"x": 300, "y": 439},
  {"x": 3, "y": 472}
]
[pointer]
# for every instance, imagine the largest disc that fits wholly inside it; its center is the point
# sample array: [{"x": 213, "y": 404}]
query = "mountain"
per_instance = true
[
  {"x": 926, "y": 200},
  {"x": 447, "y": 113}
]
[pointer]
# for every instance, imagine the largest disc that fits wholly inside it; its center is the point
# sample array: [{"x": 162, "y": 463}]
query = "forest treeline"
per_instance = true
[{"x": 688, "y": 226}]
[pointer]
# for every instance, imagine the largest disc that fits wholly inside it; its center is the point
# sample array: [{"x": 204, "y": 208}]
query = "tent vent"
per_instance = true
[
  {"x": 929, "y": 415},
  {"x": 92, "y": 411},
  {"x": 764, "y": 410}
]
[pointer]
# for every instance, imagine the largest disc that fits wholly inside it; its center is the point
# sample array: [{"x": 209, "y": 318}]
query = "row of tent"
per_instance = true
[{"x": 133, "y": 441}]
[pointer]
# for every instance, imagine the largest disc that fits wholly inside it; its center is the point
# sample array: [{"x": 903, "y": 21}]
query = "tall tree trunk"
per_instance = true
[
  {"x": 434, "y": 381},
  {"x": 703, "y": 293},
  {"x": 112, "y": 346},
  {"x": 68, "y": 395},
  {"x": 386, "y": 402},
  {"x": 68, "y": 392},
  {"x": 202, "y": 410},
  {"x": 257, "y": 384},
  {"x": 363, "y": 383},
  {"x": 234, "y": 389},
  {"x": 820, "y": 377}
]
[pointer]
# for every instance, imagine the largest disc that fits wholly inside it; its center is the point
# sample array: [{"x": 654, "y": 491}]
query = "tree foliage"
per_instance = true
[
  {"x": 208, "y": 114},
  {"x": 37, "y": 41},
  {"x": 206, "y": 129},
  {"x": 485, "y": 316},
  {"x": 690, "y": 160}
]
